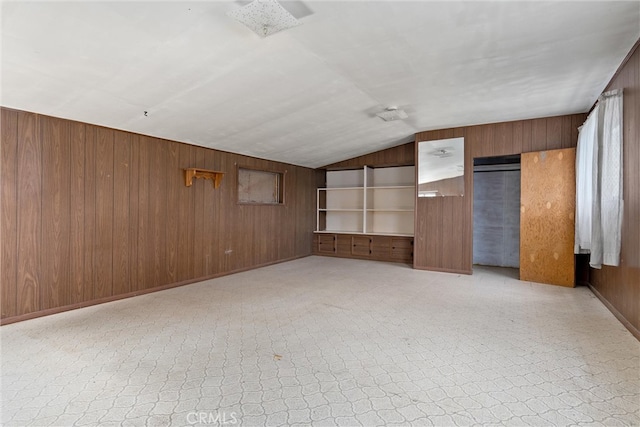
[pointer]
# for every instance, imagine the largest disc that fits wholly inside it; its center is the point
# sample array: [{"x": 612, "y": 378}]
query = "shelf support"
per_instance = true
[{"x": 214, "y": 176}]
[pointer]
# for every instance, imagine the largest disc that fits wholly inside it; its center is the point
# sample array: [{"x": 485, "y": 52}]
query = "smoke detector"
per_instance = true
[{"x": 391, "y": 114}]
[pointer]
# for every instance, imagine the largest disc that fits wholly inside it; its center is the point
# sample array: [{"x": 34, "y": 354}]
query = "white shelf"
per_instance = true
[
  {"x": 395, "y": 187},
  {"x": 368, "y": 201},
  {"x": 390, "y": 210},
  {"x": 363, "y": 233}
]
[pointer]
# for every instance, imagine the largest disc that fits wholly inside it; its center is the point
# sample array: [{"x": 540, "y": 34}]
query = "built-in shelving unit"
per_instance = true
[{"x": 376, "y": 201}]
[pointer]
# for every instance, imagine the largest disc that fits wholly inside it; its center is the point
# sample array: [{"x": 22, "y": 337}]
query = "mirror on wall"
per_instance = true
[{"x": 441, "y": 168}]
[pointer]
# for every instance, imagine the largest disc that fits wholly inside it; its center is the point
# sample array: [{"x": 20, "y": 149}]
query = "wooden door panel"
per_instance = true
[{"x": 547, "y": 217}]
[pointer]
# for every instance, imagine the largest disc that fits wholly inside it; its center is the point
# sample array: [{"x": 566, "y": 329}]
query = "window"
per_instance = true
[{"x": 260, "y": 187}]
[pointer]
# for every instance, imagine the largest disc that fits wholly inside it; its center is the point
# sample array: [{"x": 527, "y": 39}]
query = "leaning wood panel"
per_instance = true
[
  {"x": 121, "y": 187},
  {"x": 547, "y": 217},
  {"x": 29, "y": 165},
  {"x": 54, "y": 136},
  {"x": 103, "y": 261},
  {"x": 8, "y": 211}
]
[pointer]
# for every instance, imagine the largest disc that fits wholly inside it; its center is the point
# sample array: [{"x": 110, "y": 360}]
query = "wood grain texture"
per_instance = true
[
  {"x": 402, "y": 155},
  {"x": 620, "y": 286},
  {"x": 121, "y": 187},
  {"x": 98, "y": 213},
  {"x": 89, "y": 211},
  {"x": 77, "y": 212},
  {"x": 54, "y": 135},
  {"x": 103, "y": 259},
  {"x": 9, "y": 212},
  {"x": 547, "y": 198},
  {"x": 29, "y": 232},
  {"x": 444, "y": 225}
]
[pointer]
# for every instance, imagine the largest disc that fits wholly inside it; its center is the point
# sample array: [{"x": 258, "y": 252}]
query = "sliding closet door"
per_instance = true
[{"x": 547, "y": 206}]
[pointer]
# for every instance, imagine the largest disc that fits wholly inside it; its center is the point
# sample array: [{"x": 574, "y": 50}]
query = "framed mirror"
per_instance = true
[{"x": 441, "y": 167}]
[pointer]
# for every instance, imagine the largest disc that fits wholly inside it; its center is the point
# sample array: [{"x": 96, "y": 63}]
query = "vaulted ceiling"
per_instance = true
[{"x": 309, "y": 95}]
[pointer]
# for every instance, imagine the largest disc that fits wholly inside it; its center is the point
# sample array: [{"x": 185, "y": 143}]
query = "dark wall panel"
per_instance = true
[
  {"x": 620, "y": 286},
  {"x": 29, "y": 215},
  {"x": 77, "y": 212},
  {"x": 402, "y": 155},
  {"x": 9, "y": 211},
  {"x": 97, "y": 213},
  {"x": 104, "y": 252},
  {"x": 121, "y": 188},
  {"x": 54, "y": 135}
]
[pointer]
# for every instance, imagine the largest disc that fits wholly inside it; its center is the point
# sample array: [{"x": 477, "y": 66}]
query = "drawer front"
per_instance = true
[
  {"x": 327, "y": 243},
  {"x": 381, "y": 247},
  {"x": 361, "y": 246},
  {"x": 402, "y": 248}
]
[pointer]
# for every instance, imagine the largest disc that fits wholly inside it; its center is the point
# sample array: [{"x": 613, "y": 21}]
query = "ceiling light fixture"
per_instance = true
[
  {"x": 264, "y": 17},
  {"x": 391, "y": 114}
]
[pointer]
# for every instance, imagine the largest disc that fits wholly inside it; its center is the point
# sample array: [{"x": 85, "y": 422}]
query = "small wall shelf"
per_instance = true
[{"x": 214, "y": 176}]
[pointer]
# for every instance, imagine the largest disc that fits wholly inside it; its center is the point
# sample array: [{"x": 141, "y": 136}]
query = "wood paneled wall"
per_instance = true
[
  {"x": 402, "y": 155},
  {"x": 444, "y": 225},
  {"x": 90, "y": 214},
  {"x": 620, "y": 286}
]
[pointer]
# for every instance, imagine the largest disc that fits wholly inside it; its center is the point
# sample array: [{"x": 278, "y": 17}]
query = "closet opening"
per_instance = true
[{"x": 496, "y": 213}]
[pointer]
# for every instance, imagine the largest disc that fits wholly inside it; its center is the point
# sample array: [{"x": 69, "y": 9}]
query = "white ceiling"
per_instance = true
[{"x": 309, "y": 95}]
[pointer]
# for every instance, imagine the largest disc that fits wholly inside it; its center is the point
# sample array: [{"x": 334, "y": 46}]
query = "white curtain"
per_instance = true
[
  {"x": 599, "y": 203},
  {"x": 587, "y": 143},
  {"x": 611, "y": 203}
]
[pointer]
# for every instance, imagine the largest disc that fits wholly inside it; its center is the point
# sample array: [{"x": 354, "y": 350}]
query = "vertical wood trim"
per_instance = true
[
  {"x": 554, "y": 133},
  {"x": 89, "y": 213},
  {"x": 157, "y": 241},
  {"x": 518, "y": 128},
  {"x": 121, "y": 197},
  {"x": 134, "y": 211},
  {"x": 103, "y": 262},
  {"x": 54, "y": 137},
  {"x": 199, "y": 213},
  {"x": 184, "y": 219},
  {"x": 29, "y": 214},
  {"x": 173, "y": 227},
  {"x": 538, "y": 135},
  {"x": 77, "y": 214},
  {"x": 145, "y": 258},
  {"x": 9, "y": 212}
]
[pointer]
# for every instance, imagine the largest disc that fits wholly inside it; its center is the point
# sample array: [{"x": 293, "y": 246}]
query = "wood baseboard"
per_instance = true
[
  {"x": 444, "y": 270},
  {"x": 48, "y": 312},
  {"x": 635, "y": 332}
]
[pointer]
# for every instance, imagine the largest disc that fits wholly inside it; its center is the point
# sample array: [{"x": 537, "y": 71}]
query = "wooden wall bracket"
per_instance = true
[{"x": 214, "y": 176}]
